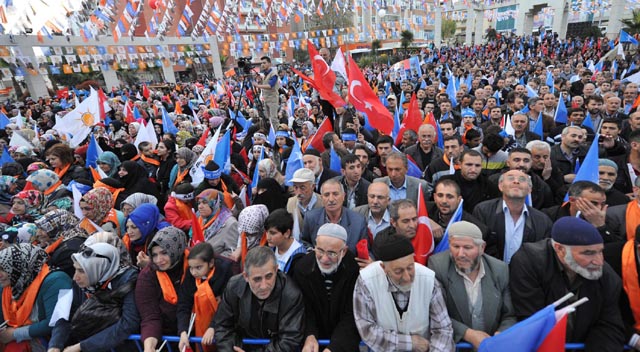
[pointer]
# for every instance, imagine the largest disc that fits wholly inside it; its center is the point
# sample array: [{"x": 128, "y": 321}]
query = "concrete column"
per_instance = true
[
  {"x": 471, "y": 20},
  {"x": 560, "y": 18},
  {"x": 479, "y": 38},
  {"x": 111, "y": 79},
  {"x": 521, "y": 20},
  {"x": 35, "y": 83},
  {"x": 616, "y": 13},
  {"x": 437, "y": 36},
  {"x": 169, "y": 74},
  {"x": 215, "y": 57}
]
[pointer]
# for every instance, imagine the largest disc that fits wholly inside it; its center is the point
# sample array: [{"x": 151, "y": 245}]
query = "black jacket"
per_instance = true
[
  {"x": 281, "y": 316},
  {"x": 541, "y": 195},
  {"x": 474, "y": 192},
  {"x": 326, "y": 174},
  {"x": 607, "y": 231},
  {"x": 360, "y": 192},
  {"x": 538, "y": 279},
  {"x": 537, "y": 226},
  {"x": 329, "y": 316}
]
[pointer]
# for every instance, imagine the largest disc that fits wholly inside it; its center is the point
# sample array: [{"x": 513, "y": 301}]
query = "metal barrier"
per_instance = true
[{"x": 198, "y": 340}]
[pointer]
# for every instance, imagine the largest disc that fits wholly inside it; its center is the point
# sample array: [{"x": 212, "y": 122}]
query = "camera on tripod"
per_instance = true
[{"x": 245, "y": 65}]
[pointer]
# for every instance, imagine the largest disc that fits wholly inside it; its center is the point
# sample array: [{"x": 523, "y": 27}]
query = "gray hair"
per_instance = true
[
  {"x": 258, "y": 257},
  {"x": 538, "y": 145},
  {"x": 398, "y": 155}
]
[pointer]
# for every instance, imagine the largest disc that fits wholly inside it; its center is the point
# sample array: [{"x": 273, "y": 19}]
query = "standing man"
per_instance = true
[
  {"x": 270, "y": 85},
  {"x": 376, "y": 211},
  {"x": 424, "y": 152},
  {"x": 401, "y": 185},
  {"x": 386, "y": 316}
]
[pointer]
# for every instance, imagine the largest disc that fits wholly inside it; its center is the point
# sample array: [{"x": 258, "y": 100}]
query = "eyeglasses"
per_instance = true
[
  {"x": 330, "y": 254},
  {"x": 90, "y": 253},
  {"x": 521, "y": 179}
]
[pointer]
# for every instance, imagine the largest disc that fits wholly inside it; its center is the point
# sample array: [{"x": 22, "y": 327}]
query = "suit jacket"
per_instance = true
[
  {"x": 537, "y": 226},
  {"x": 326, "y": 174},
  {"x": 412, "y": 187},
  {"x": 414, "y": 153},
  {"x": 292, "y": 208},
  {"x": 496, "y": 298},
  {"x": 354, "y": 223}
]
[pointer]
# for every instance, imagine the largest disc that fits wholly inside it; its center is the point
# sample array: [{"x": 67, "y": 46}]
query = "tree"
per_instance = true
[
  {"x": 375, "y": 45},
  {"x": 448, "y": 28},
  {"x": 406, "y": 38},
  {"x": 633, "y": 23},
  {"x": 331, "y": 18}
]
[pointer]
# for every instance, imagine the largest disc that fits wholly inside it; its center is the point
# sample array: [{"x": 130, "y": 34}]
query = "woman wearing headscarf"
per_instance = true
[
  {"x": 270, "y": 193},
  {"x": 134, "y": 179},
  {"x": 181, "y": 138},
  {"x": 99, "y": 273},
  {"x": 98, "y": 212},
  {"x": 308, "y": 131},
  {"x": 8, "y": 188},
  {"x": 61, "y": 159},
  {"x": 219, "y": 226},
  {"x": 185, "y": 158},
  {"x": 129, "y": 152},
  {"x": 135, "y": 200},
  {"x": 26, "y": 206},
  {"x": 158, "y": 284},
  {"x": 267, "y": 168},
  {"x": 133, "y": 129},
  {"x": 118, "y": 193},
  {"x": 251, "y": 229},
  {"x": 166, "y": 151},
  {"x": 142, "y": 224},
  {"x": 58, "y": 234},
  {"x": 109, "y": 163},
  {"x": 54, "y": 191},
  {"x": 116, "y": 131},
  {"x": 29, "y": 295}
]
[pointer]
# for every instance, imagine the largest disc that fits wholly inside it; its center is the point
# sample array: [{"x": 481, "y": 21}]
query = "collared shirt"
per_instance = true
[
  {"x": 570, "y": 156},
  {"x": 473, "y": 288},
  {"x": 350, "y": 193},
  {"x": 380, "y": 339},
  {"x": 398, "y": 193},
  {"x": 513, "y": 231},
  {"x": 375, "y": 227},
  {"x": 312, "y": 202}
]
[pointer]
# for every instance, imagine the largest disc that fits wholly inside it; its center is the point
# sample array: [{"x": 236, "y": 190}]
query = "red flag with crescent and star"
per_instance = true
[
  {"x": 324, "y": 78},
  {"x": 362, "y": 97}
]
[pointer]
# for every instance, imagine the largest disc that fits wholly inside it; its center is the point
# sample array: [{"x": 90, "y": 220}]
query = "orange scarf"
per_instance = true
[
  {"x": 630, "y": 280},
  {"x": 60, "y": 172},
  {"x": 243, "y": 245},
  {"x": 168, "y": 290},
  {"x": 53, "y": 188},
  {"x": 115, "y": 191},
  {"x": 448, "y": 162},
  {"x": 52, "y": 247},
  {"x": 632, "y": 219},
  {"x": 126, "y": 240},
  {"x": 181, "y": 176},
  {"x": 228, "y": 200},
  {"x": 205, "y": 226},
  {"x": 135, "y": 157},
  {"x": 148, "y": 160},
  {"x": 17, "y": 312},
  {"x": 205, "y": 304},
  {"x": 184, "y": 210}
]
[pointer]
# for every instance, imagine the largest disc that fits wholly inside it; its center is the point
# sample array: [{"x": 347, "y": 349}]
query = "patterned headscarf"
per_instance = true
[
  {"x": 6, "y": 182},
  {"x": 110, "y": 159},
  {"x": 60, "y": 222},
  {"x": 188, "y": 155},
  {"x": 38, "y": 165},
  {"x": 269, "y": 167},
  {"x": 137, "y": 199},
  {"x": 100, "y": 200},
  {"x": 184, "y": 135},
  {"x": 33, "y": 199},
  {"x": 114, "y": 240},
  {"x": 42, "y": 180},
  {"x": 99, "y": 269},
  {"x": 173, "y": 240},
  {"x": 216, "y": 203},
  {"x": 22, "y": 262},
  {"x": 251, "y": 219}
]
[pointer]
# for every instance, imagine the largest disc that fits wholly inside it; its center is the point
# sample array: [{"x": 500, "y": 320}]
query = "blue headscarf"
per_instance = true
[{"x": 147, "y": 219}]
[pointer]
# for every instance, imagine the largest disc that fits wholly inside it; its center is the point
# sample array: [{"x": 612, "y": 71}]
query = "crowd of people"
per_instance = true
[{"x": 160, "y": 239}]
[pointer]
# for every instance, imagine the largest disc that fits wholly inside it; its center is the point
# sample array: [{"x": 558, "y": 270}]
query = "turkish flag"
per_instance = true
[
  {"x": 423, "y": 241},
  {"x": 316, "y": 140},
  {"x": 556, "y": 338},
  {"x": 324, "y": 77},
  {"x": 412, "y": 119},
  {"x": 198, "y": 233},
  {"x": 362, "y": 97},
  {"x": 102, "y": 99},
  {"x": 145, "y": 92},
  {"x": 306, "y": 78},
  {"x": 129, "y": 113}
]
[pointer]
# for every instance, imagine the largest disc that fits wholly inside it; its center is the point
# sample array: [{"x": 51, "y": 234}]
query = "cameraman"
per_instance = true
[{"x": 270, "y": 85}]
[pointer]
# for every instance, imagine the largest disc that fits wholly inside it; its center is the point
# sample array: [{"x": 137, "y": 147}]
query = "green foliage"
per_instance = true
[
  {"x": 365, "y": 60},
  {"x": 448, "y": 28},
  {"x": 633, "y": 23},
  {"x": 406, "y": 39},
  {"x": 331, "y": 19},
  {"x": 301, "y": 55}
]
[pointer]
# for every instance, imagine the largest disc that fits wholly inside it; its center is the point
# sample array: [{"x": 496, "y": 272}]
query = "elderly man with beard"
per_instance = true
[
  {"x": 571, "y": 261},
  {"x": 476, "y": 286},
  {"x": 607, "y": 174},
  {"x": 326, "y": 278},
  {"x": 398, "y": 304}
]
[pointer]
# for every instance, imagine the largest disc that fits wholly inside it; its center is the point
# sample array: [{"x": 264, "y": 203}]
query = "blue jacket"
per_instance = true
[{"x": 353, "y": 222}]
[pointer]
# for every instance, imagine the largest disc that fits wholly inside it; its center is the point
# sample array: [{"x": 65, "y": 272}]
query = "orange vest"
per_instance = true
[
  {"x": 632, "y": 219},
  {"x": 630, "y": 280},
  {"x": 17, "y": 313}
]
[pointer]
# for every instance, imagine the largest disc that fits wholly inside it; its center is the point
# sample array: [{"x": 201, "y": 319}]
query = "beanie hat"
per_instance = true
[
  {"x": 392, "y": 247},
  {"x": 465, "y": 229},
  {"x": 607, "y": 162},
  {"x": 572, "y": 231}
]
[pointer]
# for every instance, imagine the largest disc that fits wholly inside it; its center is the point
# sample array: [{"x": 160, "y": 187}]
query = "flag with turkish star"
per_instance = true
[{"x": 362, "y": 97}]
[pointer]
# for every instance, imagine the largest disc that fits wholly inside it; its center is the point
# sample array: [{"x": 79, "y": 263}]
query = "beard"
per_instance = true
[
  {"x": 584, "y": 272},
  {"x": 331, "y": 270},
  {"x": 474, "y": 265}
]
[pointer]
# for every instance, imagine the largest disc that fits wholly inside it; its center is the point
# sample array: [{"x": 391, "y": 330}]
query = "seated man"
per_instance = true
[
  {"x": 326, "y": 278},
  {"x": 571, "y": 261},
  {"x": 476, "y": 286},
  {"x": 386, "y": 316},
  {"x": 260, "y": 303}
]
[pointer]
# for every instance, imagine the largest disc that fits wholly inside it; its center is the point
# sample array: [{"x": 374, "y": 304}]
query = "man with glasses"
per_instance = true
[
  {"x": 326, "y": 278},
  {"x": 510, "y": 220},
  {"x": 376, "y": 211},
  {"x": 269, "y": 83}
]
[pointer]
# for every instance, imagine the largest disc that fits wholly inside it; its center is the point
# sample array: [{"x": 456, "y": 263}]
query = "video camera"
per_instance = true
[{"x": 245, "y": 65}]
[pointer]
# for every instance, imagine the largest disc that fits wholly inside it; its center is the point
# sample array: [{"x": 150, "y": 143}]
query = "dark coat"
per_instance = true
[
  {"x": 329, "y": 317},
  {"x": 353, "y": 222},
  {"x": 360, "y": 191},
  {"x": 326, "y": 174},
  {"x": 414, "y": 153},
  {"x": 434, "y": 214},
  {"x": 281, "y": 316},
  {"x": 538, "y": 279},
  {"x": 559, "y": 162},
  {"x": 61, "y": 258},
  {"x": 537, "y": 226},
  {"x": 474, "y": 192},
  {"x": 608, "y": 231},
  {"x": 541, "y": 195}
]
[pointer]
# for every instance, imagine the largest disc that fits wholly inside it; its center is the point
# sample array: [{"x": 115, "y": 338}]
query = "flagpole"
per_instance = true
[
  {"x": 578, "y": 303},
  {"x": 563, "y": 299}
]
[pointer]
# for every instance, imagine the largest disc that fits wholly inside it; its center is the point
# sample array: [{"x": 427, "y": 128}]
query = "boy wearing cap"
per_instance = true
[
  {"x": 476, "y": 285},
  {"x": 571, "y": 261}
]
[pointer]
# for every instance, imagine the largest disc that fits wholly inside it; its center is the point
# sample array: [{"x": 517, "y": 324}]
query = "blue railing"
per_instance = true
[{"x": 198, "y": 340}]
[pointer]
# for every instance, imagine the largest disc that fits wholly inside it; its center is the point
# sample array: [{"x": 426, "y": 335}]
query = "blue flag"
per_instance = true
[
  {"x": 587, "y": 121},
  {"x": 6, "y": 157},
  {"x": 549, "y": 81},
  {"x": 529, "y": 333},
  {"x": 537, "y": 128},
  {"x": 589, "y": 169},
  {"x": 4, "y": 121},
  {"x": 451, "y": 92},
  {"x": 531, "y": 93},
  {"x": 334, "y": 164},
  {"x": 223, "y": 153},
  {"x": 440, "y": 136},
  {"x": 272, "y": 136},
  {"x": 497, "y": 96},
  {"x": 167, "y": 123},
  {"x": 626, "y": 38},
  {"x": 136, "y": 113},
  {"x": 367, "y": 125},
  {"x": 561, "y": 112},
  {"x": 256, "y": 174},
  {"x": 413, "y": 169},
  {"x": 294, "y": 163},
  {"x": 396, "y": 125},
  {"x": 92, "y": 152},
  {"x": 444, "y": 243}
]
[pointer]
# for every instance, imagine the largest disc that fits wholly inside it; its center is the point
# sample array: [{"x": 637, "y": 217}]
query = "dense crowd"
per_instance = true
[{"x": 318, "y": 226}]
